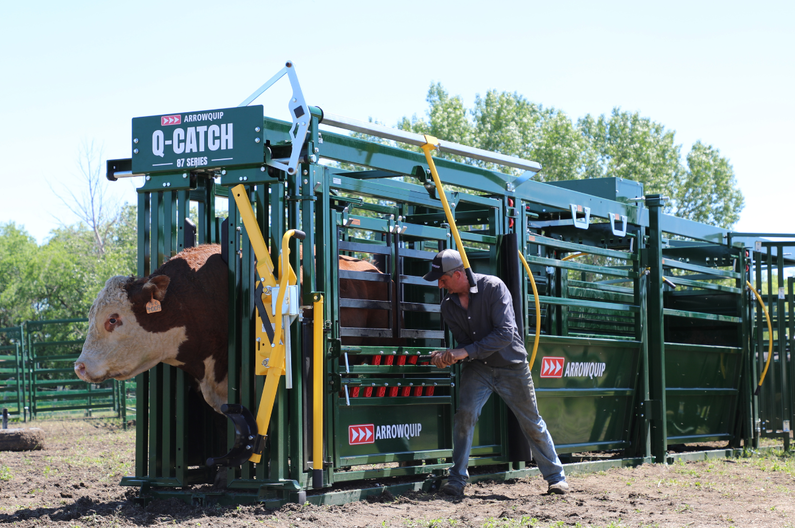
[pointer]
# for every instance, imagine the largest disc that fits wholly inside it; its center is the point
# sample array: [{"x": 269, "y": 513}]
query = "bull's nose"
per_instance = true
[{"x": 80, "y": 369}]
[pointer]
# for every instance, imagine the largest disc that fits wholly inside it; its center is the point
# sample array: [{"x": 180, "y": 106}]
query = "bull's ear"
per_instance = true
[{"x": 156, "y": 286}]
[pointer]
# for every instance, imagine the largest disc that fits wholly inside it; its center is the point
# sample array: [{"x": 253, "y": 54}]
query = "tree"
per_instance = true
[
  {"x": 622, "y": 145},
  {"x": 95, "y": 208},
  {"x": 626, "y": 145},
  {"x": 18, "y": 273},
  {"x": 708, "y": 192},
  {"x": 510, "y": 124},
  {"x": 447, "y": 119}
]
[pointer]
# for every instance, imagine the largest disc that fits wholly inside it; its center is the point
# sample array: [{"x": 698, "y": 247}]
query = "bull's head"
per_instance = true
[{"x": 116, "y": 345}]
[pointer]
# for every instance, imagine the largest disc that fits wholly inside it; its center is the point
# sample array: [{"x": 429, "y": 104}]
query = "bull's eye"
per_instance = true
[{"x": 112, "y": 322}]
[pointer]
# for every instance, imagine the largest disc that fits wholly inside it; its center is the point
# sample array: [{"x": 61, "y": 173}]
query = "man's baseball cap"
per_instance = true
[{"x": 444, "y": 261}]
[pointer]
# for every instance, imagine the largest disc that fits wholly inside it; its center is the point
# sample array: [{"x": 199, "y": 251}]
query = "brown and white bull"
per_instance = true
[{"x": 190, "y": 330}]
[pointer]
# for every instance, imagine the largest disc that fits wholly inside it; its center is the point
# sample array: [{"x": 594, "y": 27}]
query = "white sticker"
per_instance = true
[
  {"x": 781, "y": 294},
  {"x": 336, "y": 181}
]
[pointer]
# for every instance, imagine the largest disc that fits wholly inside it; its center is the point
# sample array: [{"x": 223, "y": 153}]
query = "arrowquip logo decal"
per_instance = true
[
  {"x": 385, "y": 432},
  {"x": 170, "y": 120},
  {"x": 552, "y": 367},
  {"x": 361, "y": 434},
  {"x": 585, "y": 370}
]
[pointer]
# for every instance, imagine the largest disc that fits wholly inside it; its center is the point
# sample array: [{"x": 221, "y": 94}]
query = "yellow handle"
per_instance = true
[
  {"x": 769, "y": 334},
  {"x": 538, "y": 309}
]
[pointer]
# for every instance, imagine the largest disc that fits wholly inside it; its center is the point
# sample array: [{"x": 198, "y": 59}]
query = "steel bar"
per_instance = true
[{"x": 418, "y": 140}]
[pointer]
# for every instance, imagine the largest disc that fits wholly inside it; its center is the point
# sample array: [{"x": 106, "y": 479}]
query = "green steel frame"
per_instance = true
[
  {"x": 645, "y": 338},
  {"x": 37, "y": 374}
]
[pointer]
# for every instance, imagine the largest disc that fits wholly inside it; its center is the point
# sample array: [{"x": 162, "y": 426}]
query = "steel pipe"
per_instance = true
[{"x": 418, "y": 140}]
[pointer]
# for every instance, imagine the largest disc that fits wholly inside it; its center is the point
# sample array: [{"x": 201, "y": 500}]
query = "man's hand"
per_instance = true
[{"x": 445, "y": 358}]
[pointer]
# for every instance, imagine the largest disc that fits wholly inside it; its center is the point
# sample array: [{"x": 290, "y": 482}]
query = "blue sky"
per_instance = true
[{"x": 76, "y": 72}]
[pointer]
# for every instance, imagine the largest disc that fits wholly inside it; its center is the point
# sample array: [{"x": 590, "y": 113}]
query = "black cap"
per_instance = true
[{"x": 444, "y": 261}]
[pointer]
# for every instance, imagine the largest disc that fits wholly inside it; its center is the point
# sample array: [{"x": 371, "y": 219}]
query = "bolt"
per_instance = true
[
  {"x": 262, "y": 169},
  {"x": 257, "y": 140},
  {"x": 135, "y": 141},
  {"x": 184, "y": 175},
  {"x": 306, "y": 172},
  {"x": 223, "y": 172},
  {"x": 317, "y": 150},
  {"x": 148, "y": 178},
  {"x": 135, "y": 151},
  {"x": 305, "y": 180},
  {"x": 313, "y": 158},
  {"x": 257, "y": 129}
]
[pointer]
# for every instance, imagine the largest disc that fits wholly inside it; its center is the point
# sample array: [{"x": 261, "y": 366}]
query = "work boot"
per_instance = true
[
  {"x": 453, "y": 489},
  {"x": 558, "y": 488}
]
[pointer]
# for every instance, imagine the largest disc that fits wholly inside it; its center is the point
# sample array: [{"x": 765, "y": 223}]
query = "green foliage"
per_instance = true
[
  {"x": 621, "y": 145},
  {"x": 632, "y": 147},
  {"x": 61, "y": 278},
  {"x": 709, "y": 191},
  {"x": 17, "y": 275}
]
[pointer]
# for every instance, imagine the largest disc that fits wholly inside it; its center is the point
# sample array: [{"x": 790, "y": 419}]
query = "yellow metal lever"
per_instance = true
[
  {"x": 431, "y": 143},
  {"x": 272, "y": 353}
]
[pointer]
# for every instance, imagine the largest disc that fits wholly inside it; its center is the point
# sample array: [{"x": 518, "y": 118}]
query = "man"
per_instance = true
[{"x": 484, "y": 326}]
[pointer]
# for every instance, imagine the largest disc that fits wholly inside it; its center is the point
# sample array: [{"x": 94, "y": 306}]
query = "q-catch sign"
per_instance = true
[{"x": 195, "y": 140}]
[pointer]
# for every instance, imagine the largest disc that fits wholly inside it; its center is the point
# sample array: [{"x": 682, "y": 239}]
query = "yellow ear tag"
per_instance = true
[{"x": 153, "y": 305}]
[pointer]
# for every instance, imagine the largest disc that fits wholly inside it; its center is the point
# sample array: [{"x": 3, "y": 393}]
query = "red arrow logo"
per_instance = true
[
  {"x": 552, "y": 367},
  {"x": 361, "y": 434},
  {"x": 170, "y": 120}
]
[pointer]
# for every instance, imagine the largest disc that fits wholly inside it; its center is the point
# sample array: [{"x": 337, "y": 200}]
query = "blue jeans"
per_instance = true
[{"x": 515, "y": 387}]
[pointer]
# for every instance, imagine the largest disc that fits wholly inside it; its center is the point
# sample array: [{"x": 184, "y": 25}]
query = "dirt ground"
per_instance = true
[{"x": 74, "y": 482}]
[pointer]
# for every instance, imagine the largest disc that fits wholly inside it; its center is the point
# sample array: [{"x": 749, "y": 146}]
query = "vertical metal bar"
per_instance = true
[
  {"x": 233, "y": 348},
  {"x": 246, "y": 317},
  {"x": 781, "y": 332},
  {"x": 23, "y": 374},
  {"x": 756, "y": 355},
  {"x": 34, "y": 376},
  {"x": 302, "y": 187},
  {"x": 263, "y": 211},
  {"x": 180, "y": 456},
  {"x": 643, "y": 424},
  {"x": 156, "y": 373},
  {"x": 791, "y": 341},
  {"x": 279, "y": 467},
  {"x": 142, "y": 380},
  {"x": 167, "y": 428},
  {"x": 657, "y": 383},
  {"x": 768, "y": 388},
  {"x": 183, "y": 212},
  {"x": 169, "y": 199},
  {"x": 179, "y": 387}
]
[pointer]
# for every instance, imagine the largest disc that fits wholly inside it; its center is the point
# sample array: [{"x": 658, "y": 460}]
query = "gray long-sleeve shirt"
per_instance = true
[{"x": 487, "y": 329}]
